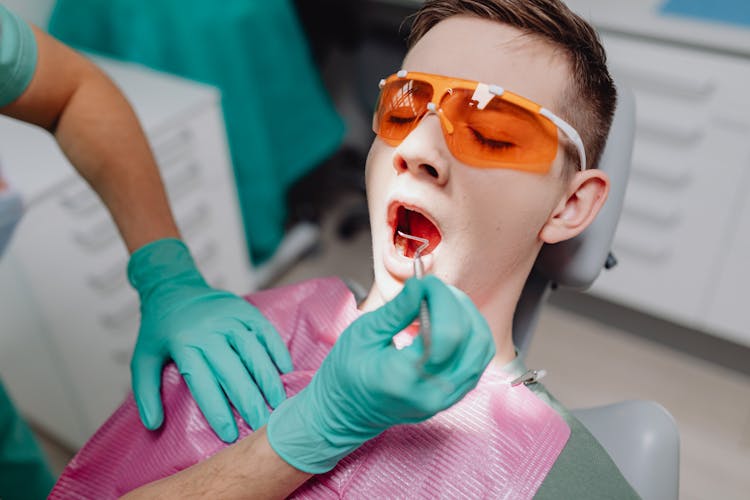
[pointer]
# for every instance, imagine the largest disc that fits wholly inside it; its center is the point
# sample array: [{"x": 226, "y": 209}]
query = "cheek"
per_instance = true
[
  {"x": 515, "y": 199},
  {"x": 377, "y": 172},
  {"x": 504, "y": 215},
  {"x": 373, "y": 163}
]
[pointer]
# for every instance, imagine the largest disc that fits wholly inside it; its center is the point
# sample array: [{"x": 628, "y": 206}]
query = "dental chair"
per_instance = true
[{"x": 640, "y": 436}]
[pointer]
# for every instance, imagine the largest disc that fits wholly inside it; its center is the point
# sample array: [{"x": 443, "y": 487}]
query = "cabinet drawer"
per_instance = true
[
  {"x": 71, "y": 255},
  {"x": 689, "y": 161}
]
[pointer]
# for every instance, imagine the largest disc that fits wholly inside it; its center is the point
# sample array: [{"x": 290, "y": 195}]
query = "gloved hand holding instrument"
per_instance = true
[
  {"x": 424, "y": 313},
  {"x": 220, "y": 343},
  {"x": 366, "y": 384}
]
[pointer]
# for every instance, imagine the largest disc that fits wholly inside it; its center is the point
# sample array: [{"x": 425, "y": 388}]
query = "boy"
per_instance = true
[{"x": 486, "y": 177}]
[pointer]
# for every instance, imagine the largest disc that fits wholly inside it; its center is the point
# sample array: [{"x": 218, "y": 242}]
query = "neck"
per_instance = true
[{"x": 498, "y": 311}]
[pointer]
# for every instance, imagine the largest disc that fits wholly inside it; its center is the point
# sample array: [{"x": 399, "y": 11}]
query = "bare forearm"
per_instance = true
[
  {"x": 98, "y": 131},
  {"x": 101, "y": 136},
  {"x": 247, "y": 469}
]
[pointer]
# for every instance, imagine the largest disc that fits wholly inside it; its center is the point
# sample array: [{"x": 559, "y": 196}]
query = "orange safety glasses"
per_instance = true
[{"x": 484, "y": 125}]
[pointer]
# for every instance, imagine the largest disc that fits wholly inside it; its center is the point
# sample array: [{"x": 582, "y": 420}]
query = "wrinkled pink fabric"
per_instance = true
[{"x": 497, "y": 442}]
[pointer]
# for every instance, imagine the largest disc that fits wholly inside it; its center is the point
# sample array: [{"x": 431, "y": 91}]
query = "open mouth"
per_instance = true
[{"x": 416, "y": 224}]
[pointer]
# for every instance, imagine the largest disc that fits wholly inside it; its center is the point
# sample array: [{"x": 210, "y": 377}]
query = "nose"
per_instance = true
[{"x": 424, "y": 153}]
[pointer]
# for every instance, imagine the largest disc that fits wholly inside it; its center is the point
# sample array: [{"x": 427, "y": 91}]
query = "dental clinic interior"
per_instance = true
[{"x": 666, "y": 322}]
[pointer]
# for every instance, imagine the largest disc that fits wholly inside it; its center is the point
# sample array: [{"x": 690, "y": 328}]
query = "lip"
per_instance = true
[{"x": 398, "y": 265}]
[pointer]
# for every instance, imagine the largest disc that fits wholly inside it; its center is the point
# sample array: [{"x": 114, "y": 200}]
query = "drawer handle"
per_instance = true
[
  {"x": 81, "y": 201},
  {"x": 126, "y": 315},
  {"x": 676, "y": 133},
  {"x": 183, "y": 180},
  {"x": 641, "y": 244},
  {"x": 121, "y": 357},
  {"x": 205, "y": 254},
  {"x": 650, "y": 254},
  {"x": 667, "y": 176},
  {"x": 668, "y": 218},
  {"x": 650, "y": 207},
  {"x": 194, "y": 220},
  {"x": 110, "y": 280},
  {"x": 98, "y": 237},
  {"x": 667, "y": 83},
  {"x": 173, "y": 148}
]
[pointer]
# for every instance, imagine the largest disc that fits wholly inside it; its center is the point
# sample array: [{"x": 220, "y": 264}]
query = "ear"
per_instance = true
[{"x": 585, "y": 195}]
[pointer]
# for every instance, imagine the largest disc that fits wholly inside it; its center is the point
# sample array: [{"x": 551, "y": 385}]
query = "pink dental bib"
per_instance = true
[{"x": 499, "y": 441}]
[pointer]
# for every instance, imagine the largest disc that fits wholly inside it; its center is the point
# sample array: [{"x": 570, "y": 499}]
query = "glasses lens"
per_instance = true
[
  {"x": 402, "y": 103},
  {"x": 499, "y": 135}
]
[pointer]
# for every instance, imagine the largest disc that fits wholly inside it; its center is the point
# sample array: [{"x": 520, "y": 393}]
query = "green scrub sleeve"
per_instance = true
[
  {"x": 17, "y": 56},
  {"x": 24, "y": 472}
]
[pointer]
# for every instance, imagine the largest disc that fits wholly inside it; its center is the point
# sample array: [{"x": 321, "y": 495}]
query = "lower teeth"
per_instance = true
[{"x": 401, "y": 246}]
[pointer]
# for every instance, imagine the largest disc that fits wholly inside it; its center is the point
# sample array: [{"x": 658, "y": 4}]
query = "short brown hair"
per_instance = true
[{"x": 589, "y": 101}]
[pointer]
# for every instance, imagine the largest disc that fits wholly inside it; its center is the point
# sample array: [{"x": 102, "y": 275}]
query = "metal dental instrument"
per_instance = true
[
  {"x": 529, "y": 377},
  {"x": 424, "y": 313}
]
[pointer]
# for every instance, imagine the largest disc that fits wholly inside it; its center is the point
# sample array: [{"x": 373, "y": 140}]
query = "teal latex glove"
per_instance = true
[
  {"x": 220, "y": 343},
  {"x": 365, "y": 385}
]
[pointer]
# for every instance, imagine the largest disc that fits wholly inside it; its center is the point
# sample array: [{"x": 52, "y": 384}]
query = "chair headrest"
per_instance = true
[{"x": 577, "y": 262}]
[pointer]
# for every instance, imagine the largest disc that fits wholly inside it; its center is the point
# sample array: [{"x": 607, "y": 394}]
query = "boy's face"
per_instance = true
[{"x": 484, "y": 223}]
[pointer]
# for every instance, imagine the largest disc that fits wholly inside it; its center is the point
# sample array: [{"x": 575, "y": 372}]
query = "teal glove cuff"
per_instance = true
[
  {"x": 159, "y": 261},
  {"x": 294, "y": 435}
]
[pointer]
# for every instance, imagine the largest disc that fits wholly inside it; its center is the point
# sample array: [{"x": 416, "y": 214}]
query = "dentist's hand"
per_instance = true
[
  {"x": 220, "y": 343},
  {"x": 365, "y": 385}
]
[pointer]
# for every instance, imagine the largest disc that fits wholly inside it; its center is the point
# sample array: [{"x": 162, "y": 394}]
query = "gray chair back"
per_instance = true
[
  {"x": 641, "y": 437},
  {"x": 643, "y": 440},
  {"x": 576, "y": 263}
]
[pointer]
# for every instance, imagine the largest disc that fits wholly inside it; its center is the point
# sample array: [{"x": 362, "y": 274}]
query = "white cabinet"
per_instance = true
[
  {"x": 684, "y": 235},
  {"x": 69, "y": 316},
  {"x": 728, "y": 301}
]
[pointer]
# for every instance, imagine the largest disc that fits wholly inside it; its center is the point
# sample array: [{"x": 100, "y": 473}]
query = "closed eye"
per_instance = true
[
  {"x": 491, "y": 143},
  {"x": 400, "y": 120}
]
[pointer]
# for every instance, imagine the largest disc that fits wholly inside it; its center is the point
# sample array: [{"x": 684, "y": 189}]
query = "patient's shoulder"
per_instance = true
[
  {"x": 298, "y": 291},
  {"x": 316, "y": 310},
  {"x": 584, "y": 469}
]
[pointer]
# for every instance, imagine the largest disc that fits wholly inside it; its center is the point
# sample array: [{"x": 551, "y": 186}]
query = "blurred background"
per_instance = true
[{"x": 259, "y": 114}]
